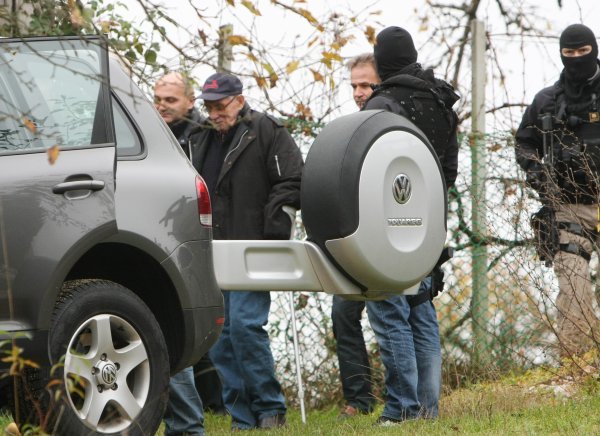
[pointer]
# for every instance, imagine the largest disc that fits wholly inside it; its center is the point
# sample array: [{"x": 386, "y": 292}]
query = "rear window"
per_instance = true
[{"x": 51, "y": 94}]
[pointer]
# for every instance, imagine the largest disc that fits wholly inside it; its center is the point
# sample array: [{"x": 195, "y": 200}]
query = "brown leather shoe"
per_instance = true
[{"x": 350, "y": 412}]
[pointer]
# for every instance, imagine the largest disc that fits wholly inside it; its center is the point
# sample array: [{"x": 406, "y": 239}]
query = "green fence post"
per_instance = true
[{"x": 479, "y": 300}]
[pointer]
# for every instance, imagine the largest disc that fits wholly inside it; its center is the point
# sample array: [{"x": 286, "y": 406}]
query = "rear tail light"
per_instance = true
[{"x": 204, "y": 209}]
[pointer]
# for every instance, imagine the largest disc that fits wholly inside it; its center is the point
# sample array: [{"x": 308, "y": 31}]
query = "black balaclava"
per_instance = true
[
  {"x": 581, "y": 68},
  {"x": 393, "y": 51}
]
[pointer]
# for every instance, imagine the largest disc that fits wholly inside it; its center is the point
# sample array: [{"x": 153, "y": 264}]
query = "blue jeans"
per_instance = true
[
  {"x": 353, "y": 359},
  {"x": 409, "y": 342},
  {"x": 184, "y": 413},
  {"x": 244, "y": 360}
]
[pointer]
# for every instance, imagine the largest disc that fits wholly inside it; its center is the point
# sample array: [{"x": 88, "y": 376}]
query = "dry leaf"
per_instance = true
[
  {"x": 251, "y": 7},
  {"x": 76, "y": 17},
  {"x": 309, "y": 17},
  {"x": 370, "y": 34},
  {"x": 52, "y": 153},
  {"x": 291, "y": 67},
  {"x": 313, "y": 41},
  {"x": 317, "y": 76},
  {"x": 260, "y": 81},
  {"x": 238, "y": 40},
  {"x": 273, "y": 78},
  {"x": 303, "y": 112},
  {"x": 29, "y": 124},
  {"x": 203, "y": 36}
]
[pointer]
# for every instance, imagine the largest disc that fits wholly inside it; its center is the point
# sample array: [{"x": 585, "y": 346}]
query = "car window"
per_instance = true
[
  {"x": 128, "y": 140},
  {"x": 51, "y": 95}
]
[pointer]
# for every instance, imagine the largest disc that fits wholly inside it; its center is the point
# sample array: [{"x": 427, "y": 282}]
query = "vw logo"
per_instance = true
[
  {"x": 402, "y": 188},
  {"x": 109, "y": 374}
]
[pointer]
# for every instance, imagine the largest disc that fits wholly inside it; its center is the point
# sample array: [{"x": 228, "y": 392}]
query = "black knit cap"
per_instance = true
[
  {"x": 581, "y": 67},
  {"x": 393, "y": 51}
]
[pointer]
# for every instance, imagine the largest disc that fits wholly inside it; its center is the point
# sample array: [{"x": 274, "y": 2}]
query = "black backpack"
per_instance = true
[{"x": 428, "y": 105}]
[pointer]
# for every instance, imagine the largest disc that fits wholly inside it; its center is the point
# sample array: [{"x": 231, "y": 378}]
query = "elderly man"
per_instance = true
[{"x": 252, "y": 168}]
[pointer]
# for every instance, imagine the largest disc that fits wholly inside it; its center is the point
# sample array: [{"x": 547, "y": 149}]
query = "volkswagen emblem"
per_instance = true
[
  {"x": 402, "y": 188},
  {"x": 109, "y": 374}
]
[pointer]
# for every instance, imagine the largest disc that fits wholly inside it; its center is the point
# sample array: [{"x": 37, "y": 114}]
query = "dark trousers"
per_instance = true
[
  {"x": 208, "y": 385},
  {"x": 353, "y": 359}
]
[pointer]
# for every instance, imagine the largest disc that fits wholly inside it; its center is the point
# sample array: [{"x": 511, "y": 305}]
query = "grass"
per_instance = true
[{"x": 514, "y": 405}]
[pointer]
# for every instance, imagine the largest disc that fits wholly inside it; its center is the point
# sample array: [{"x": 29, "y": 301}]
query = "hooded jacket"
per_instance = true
[{"x": 260, "y": 174}]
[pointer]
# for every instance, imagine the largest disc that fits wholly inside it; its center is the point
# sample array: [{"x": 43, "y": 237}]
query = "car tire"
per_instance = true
[{"x": 110, "y": 369}]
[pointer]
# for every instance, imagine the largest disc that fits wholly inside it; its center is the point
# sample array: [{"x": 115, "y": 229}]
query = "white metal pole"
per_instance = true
[{"x": 297, "y": 356}]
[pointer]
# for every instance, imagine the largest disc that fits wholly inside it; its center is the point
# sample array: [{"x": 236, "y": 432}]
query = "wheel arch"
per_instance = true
[{"x": 144, "y": 276}]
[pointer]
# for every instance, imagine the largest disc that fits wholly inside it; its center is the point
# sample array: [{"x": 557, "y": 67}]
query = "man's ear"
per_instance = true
[
  {"x": 241, "y": 99},
  {"x": 191, "y": 101}
]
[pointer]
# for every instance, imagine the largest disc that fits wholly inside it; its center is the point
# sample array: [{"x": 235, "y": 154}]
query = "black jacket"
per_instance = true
[
  {"x": 575, "y": 141},
  {"x": 422, "y": 79},
  {"x": 182, "y": 129},
  {"x": 260, "y": 174}
]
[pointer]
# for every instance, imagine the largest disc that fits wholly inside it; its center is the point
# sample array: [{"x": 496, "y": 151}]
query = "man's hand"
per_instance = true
[{"x": 536, "y": 177}]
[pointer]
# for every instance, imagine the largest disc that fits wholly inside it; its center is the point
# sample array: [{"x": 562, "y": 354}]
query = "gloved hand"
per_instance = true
[{"x": 536, "y": 177}]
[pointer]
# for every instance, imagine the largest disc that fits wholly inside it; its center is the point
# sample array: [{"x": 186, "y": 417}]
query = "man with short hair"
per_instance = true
[
  {"x": 558, "y": 146},
  {"x": 406, "y": 328},
  {"x": 252, "y": 168},
  {"x": 174, "y": 99},
  {"x": 363, "y": 76},
  {"x": 353, "y": 359}
]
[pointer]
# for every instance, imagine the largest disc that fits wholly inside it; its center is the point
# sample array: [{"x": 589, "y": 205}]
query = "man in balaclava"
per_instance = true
[
  {"x": 406, "y": 328},
  {"x": 558, "y": 146}
]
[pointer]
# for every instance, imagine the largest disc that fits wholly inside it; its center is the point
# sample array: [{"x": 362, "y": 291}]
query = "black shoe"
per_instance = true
[
  {"x": 384, "y": 421},
  {"x": 273, "y": 421},
  {"x": 219, "y": 411}
]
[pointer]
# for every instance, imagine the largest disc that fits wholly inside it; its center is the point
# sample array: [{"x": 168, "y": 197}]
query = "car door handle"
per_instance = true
[{"x": 78, "y": 185}]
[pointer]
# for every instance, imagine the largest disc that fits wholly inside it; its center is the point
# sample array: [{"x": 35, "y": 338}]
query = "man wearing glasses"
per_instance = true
[{"x": 252, "y": 168}]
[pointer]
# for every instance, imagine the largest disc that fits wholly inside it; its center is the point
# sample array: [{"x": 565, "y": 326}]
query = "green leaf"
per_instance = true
[{"x": 150, "y": 56}]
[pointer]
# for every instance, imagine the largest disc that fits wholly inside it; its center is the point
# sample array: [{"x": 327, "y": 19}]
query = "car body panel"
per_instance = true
[
  {"x": 47, "y": 226},
  {"x": 147, "y": 202}
]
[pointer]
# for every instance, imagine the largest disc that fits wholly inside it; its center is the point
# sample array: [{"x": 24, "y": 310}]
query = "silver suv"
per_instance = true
[
  {"x": 107, "y": 262},
  {"x": 106, "y": 271}
]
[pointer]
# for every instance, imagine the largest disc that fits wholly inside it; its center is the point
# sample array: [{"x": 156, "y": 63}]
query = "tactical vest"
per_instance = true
[
  {"x": 576, "y": 147},
  {"x": 427, "y": 105}
]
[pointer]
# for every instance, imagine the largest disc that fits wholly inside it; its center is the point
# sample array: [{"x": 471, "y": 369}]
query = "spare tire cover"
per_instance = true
[{"x": 374, "y": 199}]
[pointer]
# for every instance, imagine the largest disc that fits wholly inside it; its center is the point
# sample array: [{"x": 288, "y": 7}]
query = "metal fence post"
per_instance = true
[
  {"x": 479, "y": 301},
  {"x": 225, "y": 49}
]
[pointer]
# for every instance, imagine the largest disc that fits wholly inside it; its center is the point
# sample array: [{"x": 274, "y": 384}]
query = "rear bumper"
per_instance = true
[
  {"x": 190, "y": 267},
  {"x": 204, "y": 326}
]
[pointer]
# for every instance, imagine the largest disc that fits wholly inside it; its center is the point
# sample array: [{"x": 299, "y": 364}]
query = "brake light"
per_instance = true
[{"x": 204, "y": 208}]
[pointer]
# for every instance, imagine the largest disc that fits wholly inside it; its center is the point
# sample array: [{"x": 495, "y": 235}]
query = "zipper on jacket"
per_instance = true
[
  {"x": 234, "y": 148},
  {"x": 277, "y": 163}
]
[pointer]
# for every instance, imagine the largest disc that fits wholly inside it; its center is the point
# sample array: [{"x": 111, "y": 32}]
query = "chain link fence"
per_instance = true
[{"x": 502, "y": 322}]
